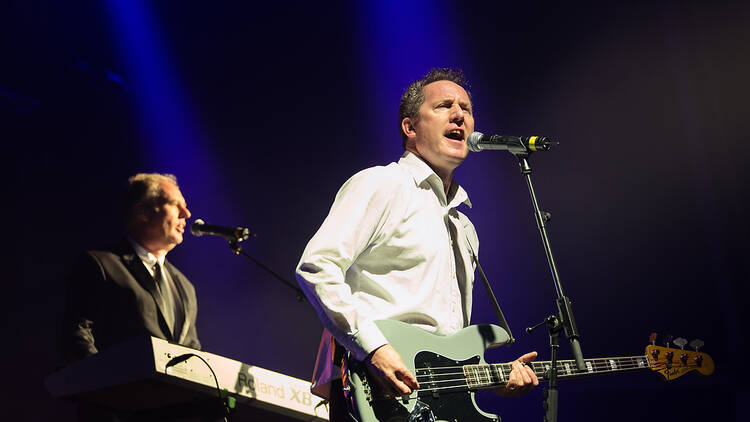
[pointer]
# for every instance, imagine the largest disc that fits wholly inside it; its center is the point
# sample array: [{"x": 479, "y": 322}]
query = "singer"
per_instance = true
[
  {"x": 395, "y": 246},
  {"x": 131, "y": 289}
]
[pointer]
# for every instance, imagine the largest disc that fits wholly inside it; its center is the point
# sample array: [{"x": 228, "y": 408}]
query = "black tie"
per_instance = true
[{"x": 165, "y": 292}]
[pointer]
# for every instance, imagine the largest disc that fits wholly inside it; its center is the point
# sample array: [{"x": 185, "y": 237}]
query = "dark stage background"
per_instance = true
[{"x": 263, "y": 110}]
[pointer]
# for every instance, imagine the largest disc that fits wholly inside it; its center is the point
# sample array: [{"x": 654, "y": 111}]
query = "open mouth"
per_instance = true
[{"x": 455, "y": 134}]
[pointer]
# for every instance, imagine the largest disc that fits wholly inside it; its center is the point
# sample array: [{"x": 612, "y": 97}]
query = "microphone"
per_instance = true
[
  {"x": 514, "y": 144},
  {"x": 237, "y": 234}
]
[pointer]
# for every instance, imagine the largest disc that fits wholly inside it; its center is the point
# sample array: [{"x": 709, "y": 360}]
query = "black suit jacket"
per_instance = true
[{"x": 112, "y": 297}]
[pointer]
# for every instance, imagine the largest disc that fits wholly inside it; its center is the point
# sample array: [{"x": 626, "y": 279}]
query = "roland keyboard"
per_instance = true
[{"x": 133, "y": 376}]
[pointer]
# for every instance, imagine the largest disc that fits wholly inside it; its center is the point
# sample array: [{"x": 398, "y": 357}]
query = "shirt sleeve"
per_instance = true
[{"x": 361, "y": 209}]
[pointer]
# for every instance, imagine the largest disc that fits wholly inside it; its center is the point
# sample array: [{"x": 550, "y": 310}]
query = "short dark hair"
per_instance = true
[
  {"x": 143, "y": 192},
  {"x": 413, "y": 97}
]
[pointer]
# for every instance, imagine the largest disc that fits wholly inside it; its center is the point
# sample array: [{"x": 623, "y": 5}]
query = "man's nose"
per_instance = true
[
  {"x": 457, "y": 115},
  {"x": 184, "y": 212}
]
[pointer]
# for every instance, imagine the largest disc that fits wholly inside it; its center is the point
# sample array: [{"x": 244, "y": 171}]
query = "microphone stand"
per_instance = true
[
  {"x": 234, "y": 245},
  {"x": 564, "y": 320}
]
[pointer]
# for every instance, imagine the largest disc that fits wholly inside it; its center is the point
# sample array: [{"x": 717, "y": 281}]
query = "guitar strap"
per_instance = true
[{"x": 491, "y": 294}]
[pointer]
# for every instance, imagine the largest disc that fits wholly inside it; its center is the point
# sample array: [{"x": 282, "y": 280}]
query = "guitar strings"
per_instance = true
[
  {"x": 541, "y": 370},
  {"x": 490, "y": 374},
  {"x": 465, "y": 382},
  {"x": 604, "y": 364}
]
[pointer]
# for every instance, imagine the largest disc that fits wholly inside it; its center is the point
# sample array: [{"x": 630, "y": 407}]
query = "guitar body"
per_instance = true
[{"x": 444, "y": 398}]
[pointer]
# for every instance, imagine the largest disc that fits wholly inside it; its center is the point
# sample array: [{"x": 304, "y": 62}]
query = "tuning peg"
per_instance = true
[
  {"x": 696, "y": 344},
  {"x": 668, "y": 339},
  {"x": 652, "y": 339},
  {"x": 681, "y": 342}
]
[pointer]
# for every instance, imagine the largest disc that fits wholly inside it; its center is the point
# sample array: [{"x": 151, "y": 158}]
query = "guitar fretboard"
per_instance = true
[{"x": 493, "y": 375}]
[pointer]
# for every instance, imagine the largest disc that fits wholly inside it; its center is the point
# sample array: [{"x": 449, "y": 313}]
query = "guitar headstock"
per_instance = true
[{"x": 673, "y": 362}]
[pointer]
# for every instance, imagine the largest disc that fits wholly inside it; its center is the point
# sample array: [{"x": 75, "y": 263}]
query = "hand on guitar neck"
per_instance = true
[
  {"x": 522, "y": 378},
  {"x": 386, "y": 365}
]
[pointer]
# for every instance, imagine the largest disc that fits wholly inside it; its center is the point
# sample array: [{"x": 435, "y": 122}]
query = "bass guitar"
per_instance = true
[{"x": 450, "y": 369}]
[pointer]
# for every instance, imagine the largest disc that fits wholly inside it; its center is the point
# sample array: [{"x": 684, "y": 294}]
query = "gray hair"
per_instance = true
[{"x": 143, "y": 193}]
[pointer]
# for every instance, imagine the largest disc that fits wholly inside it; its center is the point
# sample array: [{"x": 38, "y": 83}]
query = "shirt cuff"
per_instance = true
[{"x": 368, "y": 338}]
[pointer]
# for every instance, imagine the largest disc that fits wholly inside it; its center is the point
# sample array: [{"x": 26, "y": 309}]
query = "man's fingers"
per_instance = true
[
  {"x": 529, "y": 376},
  {"x": 522, "y": 370},
  {"x": 528, "y": 357},
  {"x": 386, "y": 364},
  {"x": 405, "y": 376},
  {"x": 522, "y": 377},
  {"x": 404, "y": 381},
  {"x": 400, "y": 387},
  {"x": 532, "y": 376}
]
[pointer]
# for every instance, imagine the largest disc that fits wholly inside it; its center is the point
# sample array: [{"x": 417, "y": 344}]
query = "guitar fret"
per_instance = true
[{"x": 501, "y": 373}]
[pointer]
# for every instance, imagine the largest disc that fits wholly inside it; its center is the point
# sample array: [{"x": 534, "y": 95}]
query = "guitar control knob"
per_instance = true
[
  {"x": 680, "y": 342},
  {"x": 697, "y": 344}
]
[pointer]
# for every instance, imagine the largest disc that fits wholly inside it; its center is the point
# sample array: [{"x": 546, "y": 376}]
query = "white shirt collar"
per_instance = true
[
  {"x": 148, "y": 259},
  {"x": 421, "y": 171}
]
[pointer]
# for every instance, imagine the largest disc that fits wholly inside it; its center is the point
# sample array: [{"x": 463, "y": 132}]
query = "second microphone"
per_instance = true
[{"x": 232, "y": 234}]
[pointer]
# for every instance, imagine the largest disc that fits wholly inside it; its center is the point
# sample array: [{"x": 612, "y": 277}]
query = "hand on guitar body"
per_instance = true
[
  {"x": 387, "y": 366},
  {"x": 522, "y": 378}
]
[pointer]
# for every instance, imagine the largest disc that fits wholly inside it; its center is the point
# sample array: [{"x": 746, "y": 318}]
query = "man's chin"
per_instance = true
[
  {"x": 457, "y": 157},
  {"x": 456, "y": 151},
  {"x": 174, "y": 241}
]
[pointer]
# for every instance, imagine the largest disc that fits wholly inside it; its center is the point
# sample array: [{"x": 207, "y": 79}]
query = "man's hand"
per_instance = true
[
  {"x": 522, "y": 378},
  {"x": 385, "y": 365}
]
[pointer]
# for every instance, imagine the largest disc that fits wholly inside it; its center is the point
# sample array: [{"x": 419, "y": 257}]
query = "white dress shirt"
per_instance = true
[{"x": 392, "y": 247}]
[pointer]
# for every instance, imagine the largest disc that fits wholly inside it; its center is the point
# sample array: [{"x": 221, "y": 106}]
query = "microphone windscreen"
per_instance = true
[
  {"x": 195, "y": 227},
  {"x": 473, "y": 141}
]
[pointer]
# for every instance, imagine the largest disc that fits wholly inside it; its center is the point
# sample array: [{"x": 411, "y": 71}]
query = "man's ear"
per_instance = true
[
  {"x": 407, "y": 125},
  {"x": 141, "y": 213}
]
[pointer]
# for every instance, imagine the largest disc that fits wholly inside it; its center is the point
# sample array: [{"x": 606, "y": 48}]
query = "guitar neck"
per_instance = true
[{"x": 495, "y": 375}]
